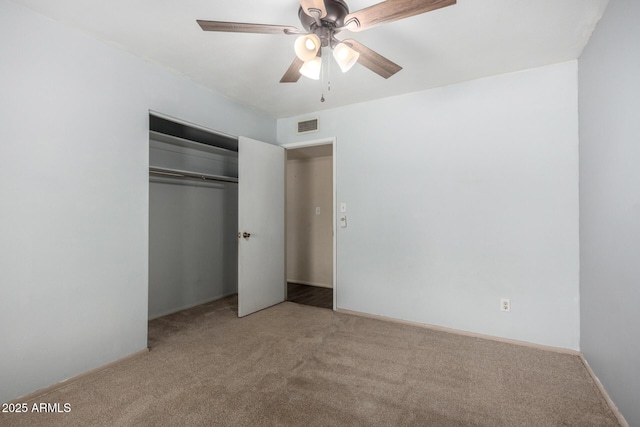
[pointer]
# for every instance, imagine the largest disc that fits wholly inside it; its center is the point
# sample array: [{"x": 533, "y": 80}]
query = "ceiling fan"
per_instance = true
[{"x": 322, "y": 20}]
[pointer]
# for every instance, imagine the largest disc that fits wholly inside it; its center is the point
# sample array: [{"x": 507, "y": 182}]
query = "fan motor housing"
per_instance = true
[{"x": 336, "y": 12}]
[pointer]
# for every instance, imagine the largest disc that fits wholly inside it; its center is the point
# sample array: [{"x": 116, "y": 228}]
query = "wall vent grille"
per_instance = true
[{"x": 307, "y": 126}]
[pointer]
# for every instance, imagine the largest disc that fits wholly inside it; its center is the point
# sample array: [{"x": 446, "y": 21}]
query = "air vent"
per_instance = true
[{"x": 307, "y": 126}]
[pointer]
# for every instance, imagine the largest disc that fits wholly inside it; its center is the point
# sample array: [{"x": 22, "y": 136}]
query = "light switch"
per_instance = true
[
  {"x": 318, "y": 210},
  {"x": 343, "y": 221},
  {"x": 343, "y": 207}
]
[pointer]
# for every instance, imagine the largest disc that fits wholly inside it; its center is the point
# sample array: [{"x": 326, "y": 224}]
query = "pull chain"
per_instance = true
[
  {"x": 322, "y": 71},
  {"x": 328, "y": 74}
]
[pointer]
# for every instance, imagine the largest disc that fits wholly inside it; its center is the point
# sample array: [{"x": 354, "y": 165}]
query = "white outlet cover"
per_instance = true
[{"x": 505, "y": 304}]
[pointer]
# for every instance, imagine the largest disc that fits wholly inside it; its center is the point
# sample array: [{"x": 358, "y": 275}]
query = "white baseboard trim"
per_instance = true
[
  {"x": 604, "y": 393},
  {"x": 188, "y": 306},
  {"x": 461, "y": 332},
  {"x": 302, "y": 282},
  {"x": 612, "y": 405},
  {"x": 78, "y": 377},
  {"x": 86, "y": 374}
]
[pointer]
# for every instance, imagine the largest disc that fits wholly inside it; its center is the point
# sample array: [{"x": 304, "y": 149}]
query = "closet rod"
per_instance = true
[{"x": 177, "y": 173}]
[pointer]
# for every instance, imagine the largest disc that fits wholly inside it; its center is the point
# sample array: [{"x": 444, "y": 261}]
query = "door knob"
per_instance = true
[{"x": 246, "y": 235}]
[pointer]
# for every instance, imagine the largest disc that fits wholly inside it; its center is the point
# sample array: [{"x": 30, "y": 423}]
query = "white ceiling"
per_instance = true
[{"x": 470, "y": 40}]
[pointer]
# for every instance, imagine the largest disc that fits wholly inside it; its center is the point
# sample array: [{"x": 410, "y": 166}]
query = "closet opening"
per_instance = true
[{"x": 193, "y": 215}]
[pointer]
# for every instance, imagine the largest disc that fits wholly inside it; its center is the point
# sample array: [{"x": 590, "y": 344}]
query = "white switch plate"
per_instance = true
[
  {"x": 318, "y": 210},
  {"x": 343, "y": 207}
]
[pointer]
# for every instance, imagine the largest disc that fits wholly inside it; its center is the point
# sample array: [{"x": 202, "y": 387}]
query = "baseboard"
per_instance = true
[
  {"x": 604, "y": 393},
  {"x": 612, "y": 405},
  {"x": 191, "y": 305},
  {"x": 302, "y": 282},
  {"x": 78, "y": 377},
  {"x": 464, "y": 333}
]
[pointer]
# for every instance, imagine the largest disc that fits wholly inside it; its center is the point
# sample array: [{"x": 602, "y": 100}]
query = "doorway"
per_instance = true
[{"x": 310, "y": 223}]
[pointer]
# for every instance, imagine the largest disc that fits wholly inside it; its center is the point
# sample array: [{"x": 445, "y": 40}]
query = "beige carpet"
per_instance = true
[{"x": 299, "y": 365}]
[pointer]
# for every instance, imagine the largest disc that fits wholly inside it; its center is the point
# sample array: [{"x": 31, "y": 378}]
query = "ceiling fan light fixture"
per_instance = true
[
  {"x": 345, "y": 56},
  {"x": 307, "y": 46},
  {"x": 322, "y": 19},
  {"x": 311, "y": 69}
]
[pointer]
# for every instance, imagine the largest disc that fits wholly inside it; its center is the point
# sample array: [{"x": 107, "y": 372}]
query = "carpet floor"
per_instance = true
[{"x": 299, "y": 365}]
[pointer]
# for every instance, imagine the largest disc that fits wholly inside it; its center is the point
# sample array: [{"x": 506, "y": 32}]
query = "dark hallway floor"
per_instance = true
[{"x": 310, "y": 295}]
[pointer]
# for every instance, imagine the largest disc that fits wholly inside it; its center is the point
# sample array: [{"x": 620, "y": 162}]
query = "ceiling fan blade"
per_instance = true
[
  {"x": 240, "y": 27},
  {"x": 292, "y": 75},
  {"x": 389, "y": 11},
  {"x": 373, "y": 60},
  {"x": 314, "y": 8}
]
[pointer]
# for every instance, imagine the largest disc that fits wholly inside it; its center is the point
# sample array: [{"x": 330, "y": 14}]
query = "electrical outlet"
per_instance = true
[{"x": 505, "y": 304}]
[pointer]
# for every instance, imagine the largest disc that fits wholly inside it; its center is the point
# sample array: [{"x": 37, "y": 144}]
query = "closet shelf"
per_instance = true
[
  {"x": 177, "y": 173},
  {"x": 186, "y": 143}
]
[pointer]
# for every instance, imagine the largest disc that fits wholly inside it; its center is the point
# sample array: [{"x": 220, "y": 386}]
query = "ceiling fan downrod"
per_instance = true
[{"x": 312, "y": 19}]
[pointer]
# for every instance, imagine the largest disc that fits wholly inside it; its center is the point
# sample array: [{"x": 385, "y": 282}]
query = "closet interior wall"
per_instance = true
[{"x": 193, "y": 225}]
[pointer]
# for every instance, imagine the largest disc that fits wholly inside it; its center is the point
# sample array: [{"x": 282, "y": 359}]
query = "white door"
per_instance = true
[{"x": 261, "y": 268}]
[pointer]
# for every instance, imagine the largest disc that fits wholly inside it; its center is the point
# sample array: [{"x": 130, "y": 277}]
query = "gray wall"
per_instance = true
[
  {"x": 74, "y": 195},
  {"x": 193, "y": 244},
  {"x": 459, "y": 196},
  {"x": 609, "y": 70}
]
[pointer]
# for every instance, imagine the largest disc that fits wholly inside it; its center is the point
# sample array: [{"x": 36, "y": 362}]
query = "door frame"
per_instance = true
[{"x": 324, "y": 141}]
